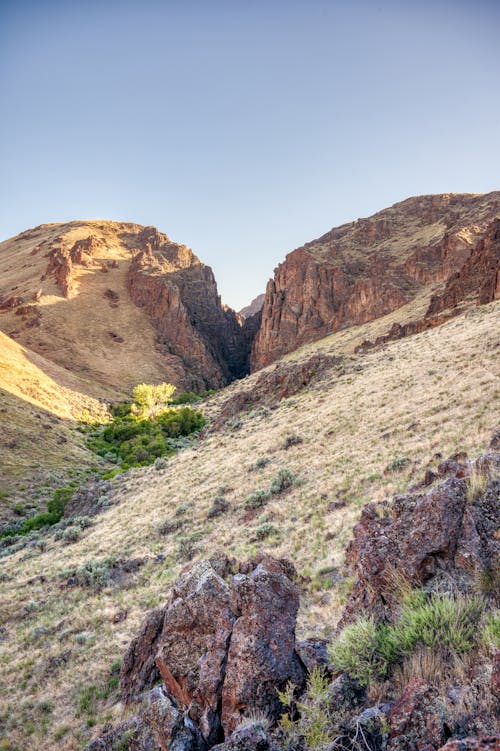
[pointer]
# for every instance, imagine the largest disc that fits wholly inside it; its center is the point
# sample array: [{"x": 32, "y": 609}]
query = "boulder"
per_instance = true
[
  {"x": 436, "y": 535},
  {"x": 252, "y": 736},
  {"x": 417, "y": 719},
  {"x": 224, "y": 645},
  {"x": 138, "y": 671},
  {"x": 261, "y": 658}
]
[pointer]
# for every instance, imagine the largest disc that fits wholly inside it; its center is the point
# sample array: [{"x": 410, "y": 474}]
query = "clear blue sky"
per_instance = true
[{"x": 243, "y": 128}]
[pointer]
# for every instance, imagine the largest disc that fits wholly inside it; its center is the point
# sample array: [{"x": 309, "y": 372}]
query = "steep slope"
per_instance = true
[
  {"x": 443, "y": 247},
  {"x": 358, "y": 429},
  {"x": 40, "y": 404},
  {"x": 255, "y": 306},
  {"x": 118, "y": 303}
]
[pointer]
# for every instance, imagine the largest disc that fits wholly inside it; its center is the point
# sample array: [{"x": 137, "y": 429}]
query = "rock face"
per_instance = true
[
  {"x": 271, "y": 386},
  {"x": 180, "y": 295},
  {"x": 479, "y": 276},
  {"x": 254, "y": 307},
  {"x": 136, "y": 306},
  {"x": 447, "y": 533},
  {"x": 363, "y": 270},
  {"x": 223, "y": 646}
]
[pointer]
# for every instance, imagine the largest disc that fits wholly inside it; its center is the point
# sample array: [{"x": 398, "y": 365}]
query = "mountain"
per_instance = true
[
  {"x": 254, "y": 307},
  {"x": 421, "y": 256},
  {"x": 118, "y": 303},
  {"x": 352, "y": 483}
]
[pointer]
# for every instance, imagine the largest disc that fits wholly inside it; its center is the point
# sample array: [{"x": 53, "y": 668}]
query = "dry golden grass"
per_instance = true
[
  {"x": 39, "y": 409},
  {"x": 76, "y": 333},
  {"x": 435, "y": 392}
]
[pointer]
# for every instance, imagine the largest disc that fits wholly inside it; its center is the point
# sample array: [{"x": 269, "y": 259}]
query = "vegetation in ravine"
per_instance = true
[{"x": 138, "y": 434}]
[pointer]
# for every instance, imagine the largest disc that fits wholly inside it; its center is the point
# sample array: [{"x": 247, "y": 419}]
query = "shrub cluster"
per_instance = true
[
  {"x": 367, "y": 650},
  {"x": 54, "y": 513},
  {"x": 284, "y": 479},
  {"x": 133, "y": 440}
]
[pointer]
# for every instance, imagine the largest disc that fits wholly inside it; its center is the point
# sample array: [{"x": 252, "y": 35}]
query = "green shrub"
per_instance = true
[
  {"x": 72, "y": 533},
  {"x": 367, "y": 650},
  {"x": 92, "y": 573},
  {"x": 314, "y": 725},
  {"x": 150, "y": 398},
  {"x": 191, "y": 397},
  {"x": 445, "y": 622},
  {"x": 284, "y": 479},
  {"x": 357, "y": 651},
  {"x": 265, "y": 530},
  {"x": 135, "y": 440},
  {"x": 261, "y": 462},
  {"x": 55, "y": 511},
  {"x": 399, "y": 463},
  {"x": 258, "y": 498},
  {"x": 490, "y": 633}
]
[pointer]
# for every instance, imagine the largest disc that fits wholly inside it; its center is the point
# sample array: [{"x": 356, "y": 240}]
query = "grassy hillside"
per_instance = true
[
  {"x": 363, "y": 429},
  {"x": 39, "y": 408},
  {"x": 98, "y": 334}
]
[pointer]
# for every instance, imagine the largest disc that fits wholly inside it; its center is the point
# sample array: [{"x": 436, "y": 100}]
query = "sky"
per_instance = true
[{"x": 243, "y": 128}]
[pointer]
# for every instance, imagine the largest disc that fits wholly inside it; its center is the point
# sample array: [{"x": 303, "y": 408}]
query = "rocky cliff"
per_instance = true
[
  {"x": 120, "y": 303},
  {"x": 442, "y": 247},
  {"x": 180, "y": 296}
]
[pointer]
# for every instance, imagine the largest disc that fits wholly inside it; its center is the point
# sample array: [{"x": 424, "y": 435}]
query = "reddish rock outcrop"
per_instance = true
[
  {"x": 274, "y": 385},
  {"x": 254, "y": 307},
  {"x": 363, "y": 270},
  {"x": 417, "y": 719},
  {"x": 441, "y": 533},
  {"x": 226, "y": 645},
  {"x": 180, "y": 295},
  {"x": 399, "y": 331},
  {"x": 10, "y": 303},
  {"x": 479, "y": 277},
  {"x": 62, "y": 261}
]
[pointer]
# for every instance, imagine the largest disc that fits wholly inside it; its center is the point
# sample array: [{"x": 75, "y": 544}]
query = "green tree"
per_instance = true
[{"x": 151, "y": 399}]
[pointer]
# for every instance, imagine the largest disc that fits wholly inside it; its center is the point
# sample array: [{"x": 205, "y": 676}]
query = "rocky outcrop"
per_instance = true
[
  {"x": 416, "y": 719},
  {"x": 479, "y": 277},
  {"x": 447, "y": 534},
  {"x": 284, "y": 380},
  {"x": 254, "y": 307},
  {"x": 62, "y": 261},
  {"x": 363, "y": 270},
  {"x": 399, "y": 331},
  {"x": 488, "y": 743},
  {"x": 223, "y": 645},
  {"x": 180, "y": 295}
]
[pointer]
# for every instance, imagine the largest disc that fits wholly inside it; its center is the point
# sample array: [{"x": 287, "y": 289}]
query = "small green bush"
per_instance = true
[
  {"x": 258, "y": 498},
  {"x": 54, "y": 513},
  {"x": 399, "y": 463},
  {"x": 367, "y": 650},
  {"x": 265, "y": 530},
  {"x": 262, "y": 462},
  {"x": 314, "y": 725},
  {"x": 191, "y": 397},
  {"x": 92, "y": 573},
  {"x": 284, "y": 479},
  {"x": 490, "y": 633}
]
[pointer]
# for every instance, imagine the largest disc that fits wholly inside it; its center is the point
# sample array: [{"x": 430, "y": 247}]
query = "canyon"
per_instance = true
[{"x": 121, "y": 303}]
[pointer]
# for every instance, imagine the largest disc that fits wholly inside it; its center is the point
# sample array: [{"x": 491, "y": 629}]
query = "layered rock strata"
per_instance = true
[{"x": 445, "y": 246}]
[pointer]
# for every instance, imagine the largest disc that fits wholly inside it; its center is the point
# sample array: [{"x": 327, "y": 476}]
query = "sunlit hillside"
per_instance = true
[{"x": 366, "y": 426}]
